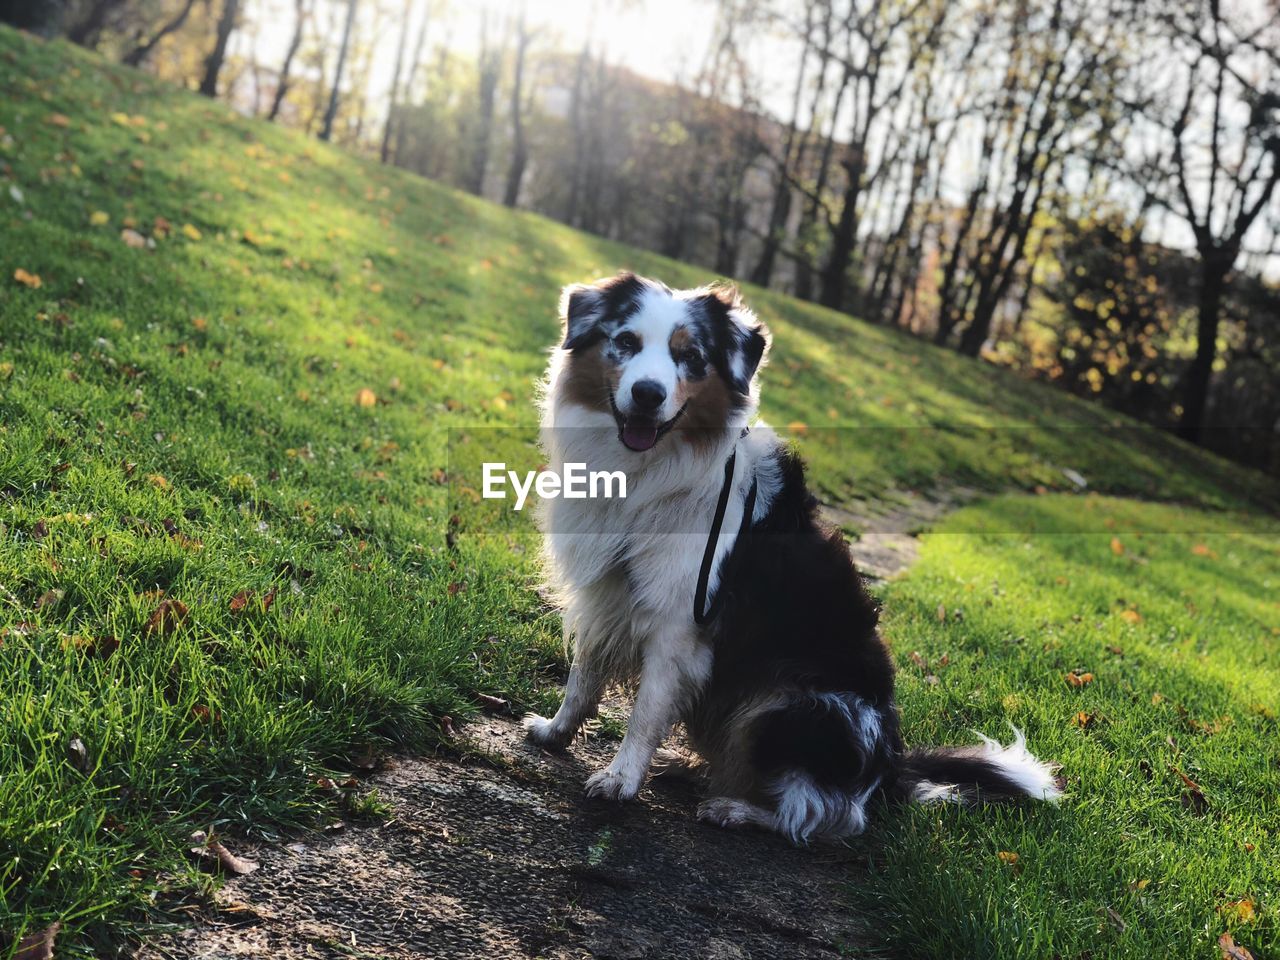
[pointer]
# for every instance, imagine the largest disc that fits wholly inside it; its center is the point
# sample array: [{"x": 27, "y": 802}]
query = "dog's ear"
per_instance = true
[
  {"x": 581, "y": 310},
  {"x": 585, "y": 307},
  {"x": 743, "y": 338}
]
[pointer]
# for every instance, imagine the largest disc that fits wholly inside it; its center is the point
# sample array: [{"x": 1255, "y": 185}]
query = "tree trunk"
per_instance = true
[
  {"x": 835, "y": 272},
  {"x": 483, "y": 135},
  {"x": 213, "y": 65},
  {"x": 282, "y": 83},
  {"x": 519, "y": 148},
  {"x": 579, "y": 148},
  {"x": 1195, "y": 390},
  {"x": 86, "y": 32},
  {"x": 395, "y": 83},
  {"x": 139, "y": 54},
  {"x": 331, "y": 112},
  {"x": 411, "y": 82}
]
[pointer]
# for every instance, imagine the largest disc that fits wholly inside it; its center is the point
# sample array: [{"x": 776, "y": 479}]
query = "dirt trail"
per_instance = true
[
  {"x": 498, "y": 856},
  {"x": 495, "y": 854}
]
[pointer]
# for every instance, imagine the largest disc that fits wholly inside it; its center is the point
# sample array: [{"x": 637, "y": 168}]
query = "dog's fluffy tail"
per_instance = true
[{"x": 990, "y": 771}]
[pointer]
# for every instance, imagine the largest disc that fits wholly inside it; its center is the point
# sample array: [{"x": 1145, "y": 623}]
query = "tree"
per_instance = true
[
  {"x": 331, "y": 112},
  {"x": 213, "y": 65},
  {"x": 300, "y": 17},
  {"x": 385, "y": 152},
  {"x": 488, "y": 64},
  {"x": 138, "y": 55},
  {"x": 1217, "y": 164},
  {"x": 519, "y": 145},
  {"x": 411, "y": 82}
]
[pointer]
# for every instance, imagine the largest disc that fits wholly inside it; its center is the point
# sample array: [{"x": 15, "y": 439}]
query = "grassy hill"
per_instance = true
[{"x": 233, "y": 559}]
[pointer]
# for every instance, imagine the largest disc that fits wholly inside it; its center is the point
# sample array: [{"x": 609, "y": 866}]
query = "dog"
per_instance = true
[{"x": 754, "y": 631}]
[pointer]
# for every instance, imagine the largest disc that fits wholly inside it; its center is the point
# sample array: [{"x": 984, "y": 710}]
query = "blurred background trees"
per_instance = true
[{"x": 1082, "y": 190}]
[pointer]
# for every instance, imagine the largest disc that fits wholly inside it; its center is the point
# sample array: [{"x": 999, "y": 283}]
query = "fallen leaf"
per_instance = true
[
  {"x": 1130, "y": 616},
  {"x": 942, "y": 613},
  {"x": 190, "y": 232},
  {"x": 38, "y": 946},
  {"x": 213, "y": 851},
  {"x": 28, "y": 279},
  {"x": 1117, "y": 547},
  {"x": 798, "y": 427},
  {"x": 133, "y": 239},
  {"x": 1203, "y": 550},
  {"x": 1232, "y": 950},
  {"x": 1077, "y": 679},
  {"x": 158, "y": 481},
  {"x": 99, "y": 218},
  {"x": 1239, "y": 911},
  {"x": 494, "y": 704},
  {"x": 366, "y": 397},
  {"x": 1114, "y": 918},
  {"x": 1084, "y": 719},
  {"x": 50, "y": 598},
  {"x": 456, "y": 587},
  {"x": 166, "y": 618},
  {"x": 1139, "y": 885},
  {"x": 1010, "y": 860},
  {"x": 58, "y": 120},
  {"x": 1193, "y": 797}
]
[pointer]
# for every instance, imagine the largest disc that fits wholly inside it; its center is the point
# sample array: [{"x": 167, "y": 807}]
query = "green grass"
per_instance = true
[
  {"x": 187, "y": 419},
  {"x": 1181, "y": 633}
]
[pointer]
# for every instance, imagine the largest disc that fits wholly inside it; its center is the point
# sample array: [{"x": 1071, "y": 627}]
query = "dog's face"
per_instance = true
[{"x": 659, "y": 359}]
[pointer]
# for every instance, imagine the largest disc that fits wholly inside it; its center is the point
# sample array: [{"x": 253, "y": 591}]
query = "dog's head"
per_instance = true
[{"x": 657, "y": 358}]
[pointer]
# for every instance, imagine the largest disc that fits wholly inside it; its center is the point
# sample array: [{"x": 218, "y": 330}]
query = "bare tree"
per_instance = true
[
  {"x": 213, "y": 64},
  {"x": 488, "y": 65},
  {"x": 519, "y": 144},
  {"x": 410, "y": 87},
  {"x": 331, "y": 112},
  {"x": 385, "y": 152},
  {"x": 88, "y": 29},
  {"x": 1219, "y": 161},
  {"x": 300, "y": 17},
  {"x": 138, "y": 55}
]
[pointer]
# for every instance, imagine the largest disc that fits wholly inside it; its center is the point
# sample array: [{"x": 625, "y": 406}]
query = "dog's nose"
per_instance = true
[{"x": 648, "y": 394}]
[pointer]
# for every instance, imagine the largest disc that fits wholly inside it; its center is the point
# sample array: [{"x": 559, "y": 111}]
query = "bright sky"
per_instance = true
[{"x": 664, "y": 39}]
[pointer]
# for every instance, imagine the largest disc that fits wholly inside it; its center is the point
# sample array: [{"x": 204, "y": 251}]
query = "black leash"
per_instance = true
[{"x": 701, "y": 617}]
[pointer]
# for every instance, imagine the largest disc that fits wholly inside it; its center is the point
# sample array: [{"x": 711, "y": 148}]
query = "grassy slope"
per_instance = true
[
  {"x": 212, "y": 382},
  {"x": 1181, "y": 632}
]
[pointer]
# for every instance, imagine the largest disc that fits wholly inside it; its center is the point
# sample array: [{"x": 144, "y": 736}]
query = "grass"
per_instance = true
[
  {"x": 262, "y": 404},
  {"x": 1180, "y": 633}
]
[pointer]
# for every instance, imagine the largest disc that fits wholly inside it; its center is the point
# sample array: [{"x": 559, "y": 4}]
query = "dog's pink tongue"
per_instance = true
[{"x": 639, "y": 434}]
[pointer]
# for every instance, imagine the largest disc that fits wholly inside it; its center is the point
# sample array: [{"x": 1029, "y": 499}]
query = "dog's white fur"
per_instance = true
[{"x": 637, "y": 627}]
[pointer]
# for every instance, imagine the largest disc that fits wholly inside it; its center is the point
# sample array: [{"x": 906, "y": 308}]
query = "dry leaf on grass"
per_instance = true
[
  {"x": 1077, "y": 679},
  {"x": 1193, "y": 797},
  {"x": 133, "y": 239},
  {"x": 366, "y": 397},
  {"x": 166, "y": 618},
  {"x": 1117, "y": 547},
  {"x": 27, "y": 279},
  {"x": 211, "y": 851},
  {"x": 1232, "y": 950},
  {"x": 1239, "y": 911},
  {"x": 38, "y": 946}
]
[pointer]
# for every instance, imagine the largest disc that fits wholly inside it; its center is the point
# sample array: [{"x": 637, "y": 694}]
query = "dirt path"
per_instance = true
[
  {"x": 495, "y": 854},
  {"x": 498, "y": 856}
]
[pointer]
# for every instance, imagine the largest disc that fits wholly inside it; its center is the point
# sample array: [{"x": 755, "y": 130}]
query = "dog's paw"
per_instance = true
[
  {"x": 728, "y": 812},
  {"x": 611, "y": 784},
  {"x": 543, "y": 732}
]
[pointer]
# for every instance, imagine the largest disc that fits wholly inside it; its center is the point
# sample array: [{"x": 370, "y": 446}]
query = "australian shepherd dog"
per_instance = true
[{"x": 714, "y": 589}]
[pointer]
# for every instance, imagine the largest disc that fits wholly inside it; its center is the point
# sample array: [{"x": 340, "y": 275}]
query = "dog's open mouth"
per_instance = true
[{"x": 639, "y": 432}]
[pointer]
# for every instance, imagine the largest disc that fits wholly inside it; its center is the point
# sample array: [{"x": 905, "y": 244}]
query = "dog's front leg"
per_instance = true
[
  {"x": 581, "y": 698},
  {"x": 675, "y": 666}
]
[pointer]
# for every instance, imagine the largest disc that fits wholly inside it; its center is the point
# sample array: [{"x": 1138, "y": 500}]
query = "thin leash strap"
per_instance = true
[{"x": 701, "y": 616}]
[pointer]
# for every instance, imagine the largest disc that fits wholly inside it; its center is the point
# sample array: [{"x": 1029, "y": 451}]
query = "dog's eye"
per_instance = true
[
  {"x": 627, "y": 342},
  {"x": 693, "y": 358}
]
